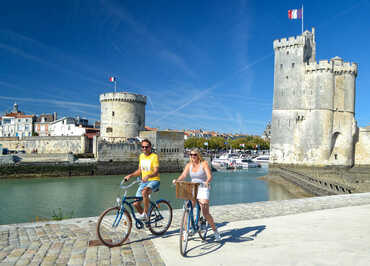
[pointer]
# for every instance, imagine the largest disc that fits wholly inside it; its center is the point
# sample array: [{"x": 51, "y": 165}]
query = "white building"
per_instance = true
[
  {"x": 66, "y": 126},
  {"x": 16, "y": 124},
  {"x": 42, "y": 125}
]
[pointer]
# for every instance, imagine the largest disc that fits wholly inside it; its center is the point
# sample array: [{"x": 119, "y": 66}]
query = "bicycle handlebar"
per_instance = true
[{"x": 130, "y": 185}]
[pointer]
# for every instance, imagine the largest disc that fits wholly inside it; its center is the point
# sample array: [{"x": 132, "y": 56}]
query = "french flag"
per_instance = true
[
  {"x": 295, "y": 13},
  {"x": 112, "y": 79}
]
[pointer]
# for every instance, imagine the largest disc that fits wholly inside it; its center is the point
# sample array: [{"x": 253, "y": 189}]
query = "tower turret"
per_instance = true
[{"x": 122, "y": 115}]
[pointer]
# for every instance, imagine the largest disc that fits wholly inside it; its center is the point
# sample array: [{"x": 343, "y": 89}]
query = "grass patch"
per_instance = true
[{"x": 58, "y": 215}]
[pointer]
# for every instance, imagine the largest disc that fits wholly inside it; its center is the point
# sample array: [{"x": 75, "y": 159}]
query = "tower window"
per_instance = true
[
  {"x": 112, "y": 113},
  {"x": 287, "y": 52},
  {"x": 109, "y": 130},
  {"x": 292, "y": 65},
  {"x": 281, "y": 66},
  {"x": 286, "y": 77}
]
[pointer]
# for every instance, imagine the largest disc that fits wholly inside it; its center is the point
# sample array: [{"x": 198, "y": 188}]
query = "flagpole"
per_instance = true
[
  {"x": 302, "y": 18},
  {"x": 115, "y": 85}
]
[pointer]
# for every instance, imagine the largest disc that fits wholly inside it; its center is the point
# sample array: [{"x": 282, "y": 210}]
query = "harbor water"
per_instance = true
[{"x": 28, "y": 200}]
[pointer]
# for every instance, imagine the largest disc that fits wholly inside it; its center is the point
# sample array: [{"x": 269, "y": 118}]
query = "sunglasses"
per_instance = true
[
  {"x": 193, "y": 154},
  {"x": 145, "y": 147}
]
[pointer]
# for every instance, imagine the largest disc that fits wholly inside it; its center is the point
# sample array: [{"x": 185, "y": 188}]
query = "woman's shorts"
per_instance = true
[
  {"x": 154, "y": 185},
  {"x": 203, "y": 192}
]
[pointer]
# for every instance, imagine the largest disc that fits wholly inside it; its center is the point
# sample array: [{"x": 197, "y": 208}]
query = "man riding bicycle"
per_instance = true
[{"x": 150, "y": 180}]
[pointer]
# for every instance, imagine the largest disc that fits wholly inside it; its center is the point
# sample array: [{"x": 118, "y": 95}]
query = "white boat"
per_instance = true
[
  {"x": 246, "y": 163},
  {"x": 263, "y": 160},
  {"x": 225, "y": 161}
]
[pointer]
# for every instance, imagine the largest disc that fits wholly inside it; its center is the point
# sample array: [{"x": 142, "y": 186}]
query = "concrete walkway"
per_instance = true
[
  {"x": 314, "y": 231},
  {"x": 327, "y": 237}
]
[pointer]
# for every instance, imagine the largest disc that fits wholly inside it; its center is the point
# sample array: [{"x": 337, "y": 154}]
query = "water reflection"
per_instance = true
[{"x": 24, "y": 199}]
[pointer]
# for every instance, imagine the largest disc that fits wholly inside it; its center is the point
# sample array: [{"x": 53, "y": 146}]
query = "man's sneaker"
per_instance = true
[
  {"x": 142, "y": 216},
  {"x": 217, "y": 236}
]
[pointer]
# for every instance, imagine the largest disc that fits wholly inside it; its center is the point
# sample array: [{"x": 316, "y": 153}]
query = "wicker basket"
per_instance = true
[{"x": 186, "y": 190}]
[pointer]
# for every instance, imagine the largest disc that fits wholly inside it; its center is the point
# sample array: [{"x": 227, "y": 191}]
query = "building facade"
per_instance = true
[
  {"x": 41, "y": 126},
  {"x": 16, "y": 124},
  {"x": 66, "y": 126}
]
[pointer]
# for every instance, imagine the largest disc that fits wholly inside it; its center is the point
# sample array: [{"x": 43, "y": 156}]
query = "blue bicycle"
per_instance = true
[
  {"x": 114, "y": 224},
  {"x": 190, "y": 223}
]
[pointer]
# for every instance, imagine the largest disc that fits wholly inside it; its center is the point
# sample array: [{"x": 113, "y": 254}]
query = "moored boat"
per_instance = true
[
  {"x": 263, "y": 160},
  {"x": 246, "y": 163}
]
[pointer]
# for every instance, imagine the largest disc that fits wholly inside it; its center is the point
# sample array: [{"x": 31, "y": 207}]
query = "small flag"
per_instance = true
[
  {"x": 112, "y": 79},
  {"x": 242, "y": 145},
  {"x": 295, "y": 13}
]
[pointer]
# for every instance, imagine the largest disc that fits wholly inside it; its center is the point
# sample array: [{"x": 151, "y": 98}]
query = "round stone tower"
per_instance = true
[{"x": 122, "y": 115}]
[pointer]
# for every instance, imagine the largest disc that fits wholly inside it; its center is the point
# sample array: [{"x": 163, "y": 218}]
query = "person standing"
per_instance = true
[
  {"x": 199, "y": 172},
  {"x": 150, "y": 180}
]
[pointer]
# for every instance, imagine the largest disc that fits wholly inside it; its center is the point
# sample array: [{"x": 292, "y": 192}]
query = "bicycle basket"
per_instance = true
[{"x": 186, "y": 190}]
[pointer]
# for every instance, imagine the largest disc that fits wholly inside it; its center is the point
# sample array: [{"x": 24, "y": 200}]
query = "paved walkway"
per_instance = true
[{"x": 313, "y": 231}]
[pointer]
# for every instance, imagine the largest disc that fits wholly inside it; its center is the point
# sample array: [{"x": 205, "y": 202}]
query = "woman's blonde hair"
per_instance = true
[{"x": 197, "y": 151}]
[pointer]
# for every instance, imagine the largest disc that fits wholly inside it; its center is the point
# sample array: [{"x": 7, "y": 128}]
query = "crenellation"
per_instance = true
[
  {"x": 346, "y": 67},
  {"x": 122, "y": 97},
  {"x": 323, "y": 65},
  {"x": 291, "y": 42}
]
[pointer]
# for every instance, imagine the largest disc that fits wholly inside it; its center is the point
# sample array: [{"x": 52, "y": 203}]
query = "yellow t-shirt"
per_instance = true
[{"x": 147, "y": 165}]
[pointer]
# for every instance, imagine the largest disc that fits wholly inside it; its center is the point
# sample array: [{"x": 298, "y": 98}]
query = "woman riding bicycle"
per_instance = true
[{"x": 200, "y": 172}]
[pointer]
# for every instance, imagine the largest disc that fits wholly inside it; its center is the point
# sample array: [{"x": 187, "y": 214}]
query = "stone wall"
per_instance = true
[
  {"x": 6, "y": 160},
  {"x": 43, "y": 145},
  {"x": 63, "y": 169},
  {"x": 169, "y": 145},
  {"x": 122, "y": 151},
  {"x": 328, "y": 180},
  {"x": 362, "y": 148},
  {"x": 44, "y": 157}
]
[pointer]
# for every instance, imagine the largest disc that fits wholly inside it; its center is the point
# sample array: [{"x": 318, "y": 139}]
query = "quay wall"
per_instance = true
[
  {"x": 47, "y": 144},
  {"x": 322, "y": 181},
  {"x": 65, "y": 168}
]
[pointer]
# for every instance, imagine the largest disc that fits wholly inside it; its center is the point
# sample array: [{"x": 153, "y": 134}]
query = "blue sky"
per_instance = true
[{"x": 202, "y": 64}]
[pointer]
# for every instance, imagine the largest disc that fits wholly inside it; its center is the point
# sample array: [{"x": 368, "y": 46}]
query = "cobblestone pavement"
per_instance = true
[{"x": 67, "y": 242}]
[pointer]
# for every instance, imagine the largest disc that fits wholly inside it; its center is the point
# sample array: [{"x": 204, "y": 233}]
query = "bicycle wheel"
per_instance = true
[
  {"x": 160, "y": 217},
  {"x": 184, "y": 232},
  {"x": 203, "y": 227},
  {"x": 113, "y": 230}
]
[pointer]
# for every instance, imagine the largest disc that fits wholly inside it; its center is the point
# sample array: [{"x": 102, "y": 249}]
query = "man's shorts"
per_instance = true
[{"x": 154, "y": 185}]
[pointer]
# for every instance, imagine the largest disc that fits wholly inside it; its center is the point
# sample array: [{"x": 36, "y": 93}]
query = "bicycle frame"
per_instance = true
[
  {"x": 124, "y": 201},
  {"x": 192, "y": 223},
  {"x": 115, "y": 223}
]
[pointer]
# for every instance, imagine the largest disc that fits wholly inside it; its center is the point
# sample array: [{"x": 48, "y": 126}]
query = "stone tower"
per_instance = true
[
  {"x": 122, "y": 115},
  {"x": 313, "y": 110}
]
